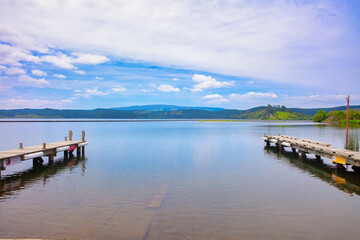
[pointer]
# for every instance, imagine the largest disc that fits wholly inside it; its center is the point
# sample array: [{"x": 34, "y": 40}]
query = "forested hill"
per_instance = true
[
  {"x": 170, "y": 112},
  {"x": 121, "y": 114}
]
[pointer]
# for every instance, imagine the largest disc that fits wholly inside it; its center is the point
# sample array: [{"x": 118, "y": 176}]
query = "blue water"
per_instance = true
[{"x": 217, "y": 181}]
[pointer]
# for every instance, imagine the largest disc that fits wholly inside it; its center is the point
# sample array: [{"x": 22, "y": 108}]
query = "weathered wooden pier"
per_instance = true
[
  {"x": 339, "y": 156},
  {"x": 49, "y": 150}
]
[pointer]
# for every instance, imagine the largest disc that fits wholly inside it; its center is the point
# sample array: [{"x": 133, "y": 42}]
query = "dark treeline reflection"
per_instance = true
[
  {"x": 348, "y": 182},
  {"x": 11, "y": 184}
]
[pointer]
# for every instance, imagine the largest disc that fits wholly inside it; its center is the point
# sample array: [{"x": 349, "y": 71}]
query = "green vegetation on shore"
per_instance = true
[
  {"x": 274, "y": 113},
  {"x": 338, "y": 117}
]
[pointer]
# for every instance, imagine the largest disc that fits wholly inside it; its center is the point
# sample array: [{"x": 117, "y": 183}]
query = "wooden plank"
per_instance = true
[
  {"x": 37, "y": 148},
  {"x": 314, "y": 147}
]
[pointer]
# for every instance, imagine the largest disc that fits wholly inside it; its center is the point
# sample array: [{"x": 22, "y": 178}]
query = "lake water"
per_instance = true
[{"x": 217, "y": 181}]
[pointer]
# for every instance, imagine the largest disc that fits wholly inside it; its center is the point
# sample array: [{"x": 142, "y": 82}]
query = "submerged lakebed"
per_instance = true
[{"x": 215, "y": 180}]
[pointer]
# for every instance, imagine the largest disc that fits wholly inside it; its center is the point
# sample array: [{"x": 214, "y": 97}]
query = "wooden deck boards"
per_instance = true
[
  {"x": 314, "y": 147},
  {"x": 33, "y": 149}
]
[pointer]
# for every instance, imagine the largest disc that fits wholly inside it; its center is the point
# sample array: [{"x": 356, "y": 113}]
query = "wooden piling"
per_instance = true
[
  {"x": 21, "y": 146},
  {"x": 78, "y": 153},
  {"x": 70, "y": 135},
  {"x": 302, "y": 154}
]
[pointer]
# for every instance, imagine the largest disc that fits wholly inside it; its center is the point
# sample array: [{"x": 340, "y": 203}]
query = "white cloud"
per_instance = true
[
  {"x": 298, "y": 42},
  {"x": 60, "y": 60},
  {"x": 208, "y": 82},
  {"x": 175, "y": 79},
  {"x": 215, "y": 99},
  {"x": 33, "y": 103},
  {"x": 88, "y": 93},
  {"x": 99, "y": 78},
  {"x": 64, "y": 61},
  {"x": 250, "y": 82},
  {"x": 118, "y": 90},
  {"x": 167, "y": 88},
  {"x": 84, "y": 58},
  {"x": 11, "y": 55},
  {"x": 38, "y": 72},
  {"x": 59, "y": 75},
  {"x": 212, "y": 96},
  {"x": 12, "y": 70},
  {"x": 33, "y": 82},
  {"x": 253, "y": 96},
  {"x": 81, "y": 72}
]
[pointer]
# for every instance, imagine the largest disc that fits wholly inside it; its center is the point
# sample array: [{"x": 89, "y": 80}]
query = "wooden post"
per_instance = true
[
  {"x": 267, "y": 143},
  {"x": 65, "y": 138},
  {"x": 1, "y": 166},
  {"x": 51, "y": 158},
  {"x": 339, "y": 166},
  {"x": 293, "y": 150},
  {"x": 70, "y": 135},
  {"x": 303, "y": 154},
  {"x": 38, "y": 161},
  {"x": 83, "y": 151},
  {"x": 44, "y": 145},
  {"x": 21, "y": 145},
  {"x": 66, "y": 154},
  {"x": 78, "y": 153},
  {"x": 83, "y": 136},
  {"x": 281, "y": 147}
]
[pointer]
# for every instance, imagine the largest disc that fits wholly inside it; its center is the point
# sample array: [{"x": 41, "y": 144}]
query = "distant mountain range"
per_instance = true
[
  {"x": 162, "y": 107},
  {"x": 171, "y": 112}
]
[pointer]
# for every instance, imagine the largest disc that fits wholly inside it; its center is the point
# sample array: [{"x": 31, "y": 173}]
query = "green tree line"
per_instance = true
[{"x": 338, "y": 117}]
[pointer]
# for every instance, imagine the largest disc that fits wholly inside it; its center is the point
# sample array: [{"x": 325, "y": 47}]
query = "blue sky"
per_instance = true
[{"x": 232, "y": 54}]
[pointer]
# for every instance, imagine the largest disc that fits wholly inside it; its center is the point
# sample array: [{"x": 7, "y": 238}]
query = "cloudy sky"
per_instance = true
[{"x": 87, "y": 54}]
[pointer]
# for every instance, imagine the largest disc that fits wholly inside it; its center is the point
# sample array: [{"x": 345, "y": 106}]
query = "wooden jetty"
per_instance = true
[
  {"x": 339, "y": 156},
  {"x": 36, "y": 153}
]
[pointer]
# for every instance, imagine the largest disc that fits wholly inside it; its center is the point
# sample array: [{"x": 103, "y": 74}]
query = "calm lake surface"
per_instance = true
[{"x": 217, "y": 181}]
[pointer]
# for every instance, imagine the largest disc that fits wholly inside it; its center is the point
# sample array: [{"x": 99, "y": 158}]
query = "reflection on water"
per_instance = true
[
  {"x": 348, "y": 182},
  {"x": 177, "y": 180},
  {"x": 11, "y": 184},
  {"x": 353, "y": 142}
]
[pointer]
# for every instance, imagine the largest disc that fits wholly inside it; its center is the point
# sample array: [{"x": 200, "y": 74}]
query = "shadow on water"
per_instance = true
[
  {"x": 353, "y": 142},
  {"x": 10, "y": 185},
  {"x": 348, "y": 182}
]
